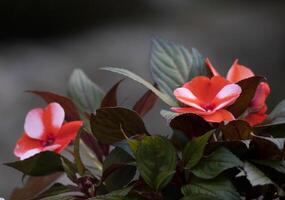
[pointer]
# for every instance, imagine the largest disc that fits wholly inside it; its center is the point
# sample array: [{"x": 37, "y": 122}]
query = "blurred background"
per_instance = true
[{"x": 42, "y": 41}]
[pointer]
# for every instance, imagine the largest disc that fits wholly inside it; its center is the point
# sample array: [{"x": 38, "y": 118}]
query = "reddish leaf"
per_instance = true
[
  {"x": 110, "y": 99},
  {"x": 237, "y": 130},
  {"x": 71, "y": 112},
  {"x": 145, "y": 103},
  {"x": 248, "y": 87},
  {"x": 92, "y": 143},
  {"x": 190, "y": 124}
]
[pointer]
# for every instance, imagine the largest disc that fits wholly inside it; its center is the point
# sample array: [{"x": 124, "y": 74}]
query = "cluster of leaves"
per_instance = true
[{"x": 201, "y": 160}]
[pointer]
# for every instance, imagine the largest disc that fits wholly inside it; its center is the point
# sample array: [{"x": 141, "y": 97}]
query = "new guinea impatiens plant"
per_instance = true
[{"x": 224, "y": 144}]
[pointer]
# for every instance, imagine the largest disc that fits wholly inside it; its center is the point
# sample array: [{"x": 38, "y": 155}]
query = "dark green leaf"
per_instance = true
[
  {"x": 248, "y": 87},
  {"x": 278, "y": 165},
  {"x": 219, "y": 188},
  {"x": 172, "y": 65},
  {"x": 116, "y": 166},
  {"x": 165, "y": 98},
  {"x": 54, "y": 190},
  {"x": 115, "y": 195},
  {"x": 70, "y": 110},
  {"x": 156, "y": 161},
  {"x": 41, "y": 164},
  {"x": 194, "y": 150},
  {"x": 198, "y": 197},
  {"x": 77, "y": 158},
  {"x": 110, "y": 99},
  {"x": 86, "y": 94},
  {"x": 214, "y": 164},
  {"x": 237, "y": 130},
  {"x": 110, "y": 124}
]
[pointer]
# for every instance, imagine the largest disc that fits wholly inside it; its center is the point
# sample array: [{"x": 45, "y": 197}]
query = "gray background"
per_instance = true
[{"x": 40, "y": 46}]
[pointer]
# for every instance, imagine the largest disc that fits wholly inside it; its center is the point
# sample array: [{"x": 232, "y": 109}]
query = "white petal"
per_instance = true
[
  {"x": 187, "y": 97},
  {"x": 29, "y": 153},
  {"x": 34, "y": 126},
  {"x": 57, "y": 114}
]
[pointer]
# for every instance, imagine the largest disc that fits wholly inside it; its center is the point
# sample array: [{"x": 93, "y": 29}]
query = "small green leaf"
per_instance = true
[
  {"x": 110, "y": 124},
  {"x": 255, "y": 176},
  {"x": 194, "y": 150},
  {"x": 214, "y": 164},
  {"x": 116, "y": 166},
  {"x": 172, "y": 65},
  {"x": 219, "y": 188},
  {"x": 165, "y": 98},
  {"x": 156, "y": 161},
  {"x": 41, "y": 164},
  {"x": 86, "y": 94},
  {"x": 54, "y": 190}
]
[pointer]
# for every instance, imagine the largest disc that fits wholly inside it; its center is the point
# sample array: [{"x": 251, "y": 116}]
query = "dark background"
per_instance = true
[{"x": 42, "y": 41}]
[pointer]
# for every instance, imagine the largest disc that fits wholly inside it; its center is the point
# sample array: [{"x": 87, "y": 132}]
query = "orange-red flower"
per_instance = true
[
  {"x": 256, "y": 113},
  {"x": 45, "y": 130},
  {"x": 208, "y": 98}
]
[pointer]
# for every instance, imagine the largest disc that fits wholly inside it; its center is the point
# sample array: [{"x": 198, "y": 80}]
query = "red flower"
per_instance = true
[
  {"x": 45, "y": 131},
  {"x": 208, "y": 98},
  {"x": 256, "y": 113}
]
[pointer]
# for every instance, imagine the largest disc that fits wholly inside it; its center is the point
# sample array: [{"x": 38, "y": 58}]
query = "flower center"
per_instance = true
[
  {"x": 209, "y": 107},
  {"x": 49, "y": 141}
]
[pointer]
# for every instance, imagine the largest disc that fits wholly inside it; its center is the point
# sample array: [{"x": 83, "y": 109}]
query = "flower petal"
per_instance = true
[
  {"x": 187, "y": 97},
  {"x": 67, "y": 133},
  {"x": 206, "y": 89},
  {"x": 191, "y": 110},
  {"x": 260, "y": 96},
  {"x": 255, "y": 118},
  {"x": 53, "y": 118},
  {"x": 238, "y": 72},
  {"x": 211, "y": 67},
  {"x": 226, "y": 96},
  {"x": 25, "y": 146},
  {"x": 30, "y": 153},
  {"x": 34, "y": 126},
  {"x": 219, "y": 116}
]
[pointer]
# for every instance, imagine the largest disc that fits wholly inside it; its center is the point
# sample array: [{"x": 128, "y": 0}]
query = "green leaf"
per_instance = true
[
  {"x": 194, "y": 150},
  {"x": 41, "y": 164},
  {"x": 278, "y": 165},
  {"x": 165, "y": 98},
  {"x": 277, "y": 116},
  {"x": 115, "y": 195},
  {"x": 198, "y": 197},
  {"x": 255, "y": 176},
  {"x": 172, "y": 65},
  {"x": 69, "y": 168},
  {"x": 214, "y": 164},
  {"x": 219, "y": 188},
  {"x": 54, "y": 190},
  {"x": 116, "y": 166},
  {"x": 156, "y": 161},
  {"x": 86, "y": 94},
  {"x": 77, "y": 158},
  {"x": 110, "y": 124},
  {"x": 169, "y": 115},
  {"x": 248, "y": 87}
]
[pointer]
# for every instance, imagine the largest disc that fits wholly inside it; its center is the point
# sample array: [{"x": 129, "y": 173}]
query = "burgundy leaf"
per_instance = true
[
  {"x": 237, "y": 130},
  {"x": 145, "y": 103},
  {"x": 110, "y": 99},
  {"x": 71, "y": 112}
]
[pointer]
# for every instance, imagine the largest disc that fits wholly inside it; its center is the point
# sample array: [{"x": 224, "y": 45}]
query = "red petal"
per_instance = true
[
  {"x": 211, "y": 67},
  {"x": 67, "y": 133},
  {"x": 226, "y": 96},
  {"x": 238, "y": 72},
  {"x": 27, "y": 147},
  {"x": 206, "y": 89},
  {"x": 219, "y": 116},
  {"x": 260, "y": 96},
  {"x": 53, "y": 118}
]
